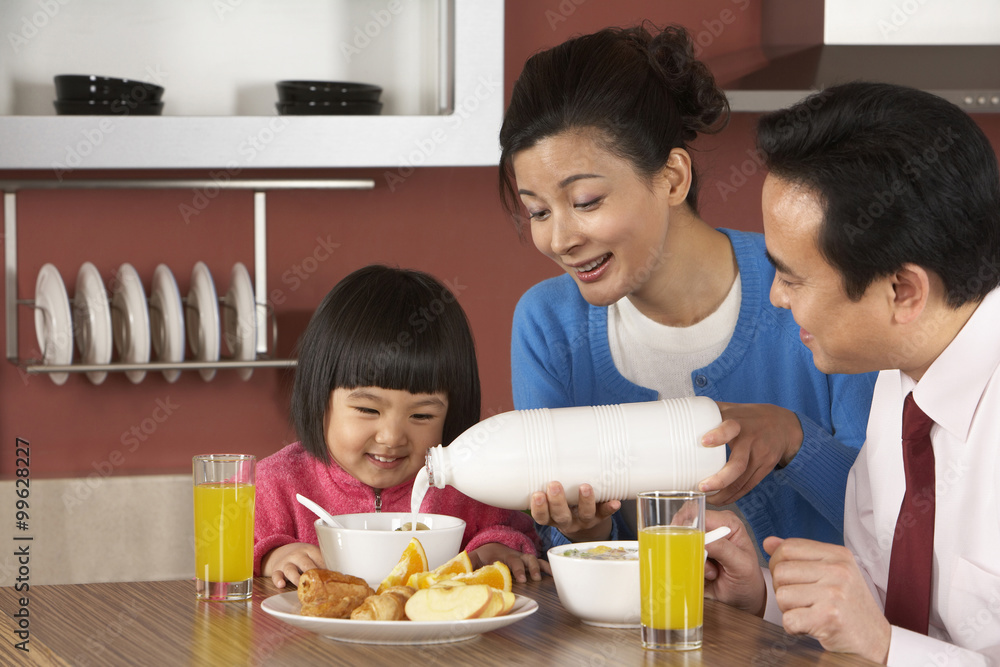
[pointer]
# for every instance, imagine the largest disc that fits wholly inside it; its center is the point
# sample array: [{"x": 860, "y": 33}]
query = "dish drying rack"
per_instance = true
[{"x": 259, "y": 187}]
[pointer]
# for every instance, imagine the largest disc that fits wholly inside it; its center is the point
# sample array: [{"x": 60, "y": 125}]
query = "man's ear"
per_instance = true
[
  {"x": 677, "y": 172},
  {"x": 911, "y": 287}
]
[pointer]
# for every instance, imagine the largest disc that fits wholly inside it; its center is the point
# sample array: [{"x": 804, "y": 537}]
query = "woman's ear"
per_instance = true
[
  {"x": 677, "y": 173},
  {"x": 911, "y": 287}
]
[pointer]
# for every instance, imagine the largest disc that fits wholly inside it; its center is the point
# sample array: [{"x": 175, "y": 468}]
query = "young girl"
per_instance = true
[{"x": 387, "y": 369}]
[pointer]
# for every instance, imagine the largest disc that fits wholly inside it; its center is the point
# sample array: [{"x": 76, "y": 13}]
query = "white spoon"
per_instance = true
[
  {"x": 716, "y": 534},
  {"x": 322, "y": 513}
]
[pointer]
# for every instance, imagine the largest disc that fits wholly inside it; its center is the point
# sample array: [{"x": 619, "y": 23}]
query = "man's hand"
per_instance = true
[
  {"x": 732, "y": 574},
  {"x": 760, "y": 437},
  {"x": 822, "y": 593}
]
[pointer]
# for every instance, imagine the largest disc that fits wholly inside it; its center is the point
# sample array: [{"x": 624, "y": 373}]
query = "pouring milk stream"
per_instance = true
[{"x": 620, "y": 450}]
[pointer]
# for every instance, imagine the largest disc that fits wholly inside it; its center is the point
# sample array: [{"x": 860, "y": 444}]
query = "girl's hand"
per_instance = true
[
  {"x": 517, "y": 562},
  {"x": 288, "y": 562},
  {"x": 760, "y": 437},
  {"x": 586, "y": 522}
]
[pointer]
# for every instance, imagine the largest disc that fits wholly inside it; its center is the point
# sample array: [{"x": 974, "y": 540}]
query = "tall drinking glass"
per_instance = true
[
  {"x": 671, "y": 568},
  {"x": 223, "y": 525}
]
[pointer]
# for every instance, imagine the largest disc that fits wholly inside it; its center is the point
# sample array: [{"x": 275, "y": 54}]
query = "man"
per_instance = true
[{"x": 882, "y": 218}]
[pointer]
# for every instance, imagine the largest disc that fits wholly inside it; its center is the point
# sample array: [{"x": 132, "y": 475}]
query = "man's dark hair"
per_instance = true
[{"x": 904, "y": 176}]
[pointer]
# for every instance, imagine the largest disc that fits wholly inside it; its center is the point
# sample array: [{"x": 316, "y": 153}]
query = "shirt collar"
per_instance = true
[{"x": 950, "y": 390}]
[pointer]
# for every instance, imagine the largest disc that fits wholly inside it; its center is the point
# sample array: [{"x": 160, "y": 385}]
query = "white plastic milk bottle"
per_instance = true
[{"x": 620, "y": 450}]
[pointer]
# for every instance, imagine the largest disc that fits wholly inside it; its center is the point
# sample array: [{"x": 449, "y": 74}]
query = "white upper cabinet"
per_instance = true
[{"x": 439, "y": 62}]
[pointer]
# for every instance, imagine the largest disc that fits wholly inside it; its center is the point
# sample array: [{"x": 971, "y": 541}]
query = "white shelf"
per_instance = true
[{"x": 469, "y": 93}]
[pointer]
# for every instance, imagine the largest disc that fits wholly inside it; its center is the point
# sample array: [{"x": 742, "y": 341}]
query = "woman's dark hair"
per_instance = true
[
  {"x": 904, "y": 177},
  {"x": 644, "y": 93},
  {"x": 390, "y": 328}
]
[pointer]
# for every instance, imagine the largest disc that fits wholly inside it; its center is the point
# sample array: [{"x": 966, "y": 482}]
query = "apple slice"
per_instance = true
[
  {"x": 495, "y": 605},
  {"x": 455, "y": 603},
  {"x": 508, "y": 602}
]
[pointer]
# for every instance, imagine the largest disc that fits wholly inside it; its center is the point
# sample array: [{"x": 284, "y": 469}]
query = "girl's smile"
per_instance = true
[{"x": 381, "y": 436}]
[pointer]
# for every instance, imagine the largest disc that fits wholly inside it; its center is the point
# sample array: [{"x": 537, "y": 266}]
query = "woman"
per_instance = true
[{"x": 655, "y": 302}]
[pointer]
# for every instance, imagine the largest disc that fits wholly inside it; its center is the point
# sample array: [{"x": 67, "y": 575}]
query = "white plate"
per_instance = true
[
  {"x": 202, "y": 318},
  {"x": 53, "y": 321},
  {"x": 93, "y": 320},
  {"x": 166, "y": 319},
  {"x": 286, "y": 606},
  {"x": 239, "y": 319},
  {"x": 130, "y": 320}
]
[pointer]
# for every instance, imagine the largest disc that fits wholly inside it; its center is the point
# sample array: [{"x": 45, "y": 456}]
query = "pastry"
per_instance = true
[
  {"x": 331, "y": 594},
  {"x": 388, "y": 605}
]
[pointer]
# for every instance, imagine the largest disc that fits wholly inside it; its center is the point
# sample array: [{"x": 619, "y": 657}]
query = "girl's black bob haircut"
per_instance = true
[{"x": 390, "y": 328}]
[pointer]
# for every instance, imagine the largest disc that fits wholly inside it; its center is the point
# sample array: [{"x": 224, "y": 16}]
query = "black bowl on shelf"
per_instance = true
[
  {"x": 304, "y": 91},
  {"x": 85, "y": 87},
  {"x": 329, "y": 108},
  {"x": 114, "y": 107}
]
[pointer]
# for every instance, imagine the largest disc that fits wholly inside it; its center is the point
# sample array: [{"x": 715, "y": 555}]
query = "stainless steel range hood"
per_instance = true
[{"x": 799, "y": 59}]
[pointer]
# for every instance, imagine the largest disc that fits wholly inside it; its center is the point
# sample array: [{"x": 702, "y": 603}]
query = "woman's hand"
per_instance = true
[
  {"x": 760, "y": 437},
  {"x": 521, "y": 565},
  {"x": 288, "y": 562},
  {"x": 585, "y": 522}
]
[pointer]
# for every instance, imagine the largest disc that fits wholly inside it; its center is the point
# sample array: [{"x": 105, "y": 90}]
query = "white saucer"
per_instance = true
[
  {"x": 239, "y": 319},
  {"x": 202, "y": 318},
  {"x": 93, "y": 320},
  {"x": 130, "y": 320},
  {"x": 166, "y": 319},
  {"x": 53, "y": 321}
]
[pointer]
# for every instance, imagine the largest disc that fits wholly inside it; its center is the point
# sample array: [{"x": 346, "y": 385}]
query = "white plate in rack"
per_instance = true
[
  {"x": 92, "y": 315},
  {"x": 239, "y": 319},
  {"x": 166, "y": 320},
  {"x": 53, "y": 321},
  {"x": 202, "y": 318},
  {"x": 286, "y": 606},
  {"x": 130, "y": 320}
]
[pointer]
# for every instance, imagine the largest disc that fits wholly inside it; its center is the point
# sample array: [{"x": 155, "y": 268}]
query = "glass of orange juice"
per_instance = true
[
  {"x": 671, "y": 568},
  {"x": 223, "y": 525}
]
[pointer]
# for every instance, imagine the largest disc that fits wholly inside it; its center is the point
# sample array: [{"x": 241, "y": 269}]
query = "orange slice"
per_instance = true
[
  {"x": 412, "y": 560},
  {"x": 496, "y": 575},
  {"x": 460, "y": 564}
]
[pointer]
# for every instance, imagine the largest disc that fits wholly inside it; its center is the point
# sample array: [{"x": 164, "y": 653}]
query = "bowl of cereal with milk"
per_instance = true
[{"x": 598, "y": 581}]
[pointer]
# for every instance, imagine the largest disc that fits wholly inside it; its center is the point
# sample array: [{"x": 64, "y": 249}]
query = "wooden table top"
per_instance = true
[{"x": 161, "y": 623}]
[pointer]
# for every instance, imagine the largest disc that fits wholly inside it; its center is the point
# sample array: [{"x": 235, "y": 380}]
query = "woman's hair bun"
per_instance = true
[{"x": 701, "y": 104}]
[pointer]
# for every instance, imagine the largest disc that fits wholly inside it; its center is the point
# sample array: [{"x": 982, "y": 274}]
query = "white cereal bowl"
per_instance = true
[
  {"x": 599, "y": 592},
  {"x": 369, "y": 545}
]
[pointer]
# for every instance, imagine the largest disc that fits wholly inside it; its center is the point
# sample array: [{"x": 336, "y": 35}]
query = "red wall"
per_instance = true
[{"x": 443, "y": 220}]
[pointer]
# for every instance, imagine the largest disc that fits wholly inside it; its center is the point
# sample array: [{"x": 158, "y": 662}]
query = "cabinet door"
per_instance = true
[{"x": 439, "y": 62}]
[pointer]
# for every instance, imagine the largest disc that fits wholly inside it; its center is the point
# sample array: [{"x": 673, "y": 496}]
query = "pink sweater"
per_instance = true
[{"x": 281, "y": 519}]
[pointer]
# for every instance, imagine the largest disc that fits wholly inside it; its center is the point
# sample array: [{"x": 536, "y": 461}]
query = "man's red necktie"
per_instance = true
[{"x": 908, "y": 593}]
